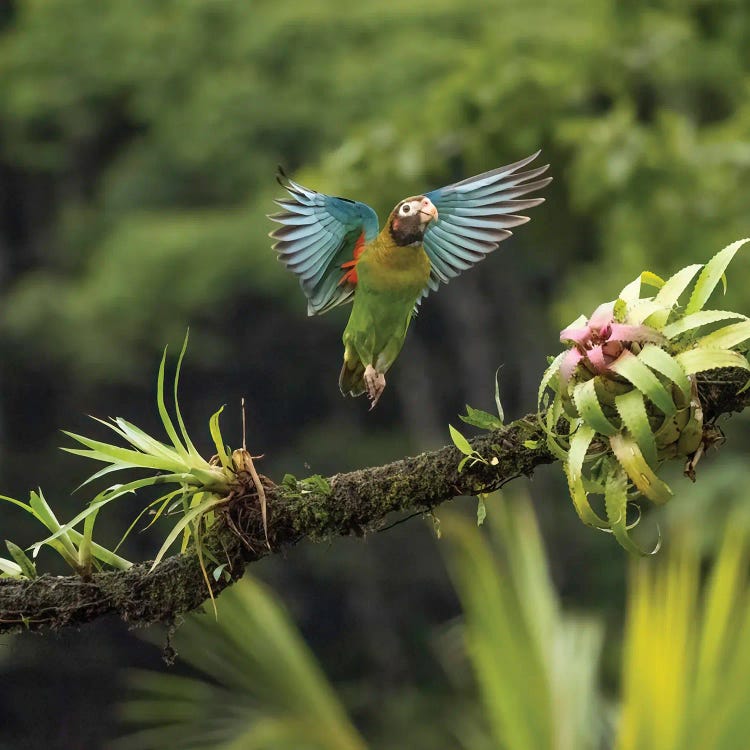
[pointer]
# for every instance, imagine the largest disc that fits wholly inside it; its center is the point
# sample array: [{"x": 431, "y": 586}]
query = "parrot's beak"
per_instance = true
[{"x": 428, "y": 211}]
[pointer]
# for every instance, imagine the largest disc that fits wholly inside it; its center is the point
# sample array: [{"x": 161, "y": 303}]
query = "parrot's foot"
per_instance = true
[{"x": 374, "y": 383}]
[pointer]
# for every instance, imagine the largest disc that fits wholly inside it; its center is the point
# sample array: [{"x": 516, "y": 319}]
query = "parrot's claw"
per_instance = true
[{"x": 374, "y": 383}]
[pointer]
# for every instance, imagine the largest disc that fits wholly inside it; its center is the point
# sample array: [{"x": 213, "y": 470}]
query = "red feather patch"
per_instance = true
[{"x": 350, "y": 267}]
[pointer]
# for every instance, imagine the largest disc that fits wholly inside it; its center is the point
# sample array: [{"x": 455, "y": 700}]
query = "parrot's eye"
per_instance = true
[{"x": 405, "y": 208}]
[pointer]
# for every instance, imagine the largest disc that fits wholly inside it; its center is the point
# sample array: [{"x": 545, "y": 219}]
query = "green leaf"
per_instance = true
[
  {"x": 710, "y": 276},
  {"x": 28, "y": 569},
  {"x": 531, "y": 444},
  {"x": 481, "y": 510},
  {"x": 218, "y": 570},
  {"x": 194, "y": 513},
  {"x": 652, "y": 279},
  {"x": 163, "y": 413},
  {"x": 644, "y": 310},
  {"x": 102, "y": 553},
  {"x": 215, "y": 430},
  {"x": 84, "y": 547},
  {"x": 141, "y": 440},
  {"x": 45, "y": 514},
  {"x": 657, "y": 359},
  {"x": 696, "y": 320},
  {"x": 632, "y": 369},
  {"x": 630, "y": 457},
  {"x": 549, "y": 373},
  {"x": 482, "y": 419},
  {"x": 551, "y": 417},
  {"x": 726, "y": 337},
  {"x": 669, "y": 294},
  {"x": 188, "y": 442},
  {"x": 590, "y": 410},
  {"x": 22, "y": 505},
  {"x": 616, "y": 504},
  {"x": 620, "y": 310},
  {"x": 107, "y": 453},
  {"x": 162, "y": 501},
  {"x": 498, "y": 403},
  {"x": 632, "y": 410},
  {"x": 632, "y": 291},
  {"x": 460, "y": 441},
  {"x": 103, "y": 498},
  {"x": 10, "y": 568},
  {"x": 579, "y": 445},
  {"x": 698, "y": 360}
]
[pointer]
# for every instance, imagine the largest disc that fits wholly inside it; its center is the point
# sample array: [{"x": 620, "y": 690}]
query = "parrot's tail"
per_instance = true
[{"x": 351, "y": 378}]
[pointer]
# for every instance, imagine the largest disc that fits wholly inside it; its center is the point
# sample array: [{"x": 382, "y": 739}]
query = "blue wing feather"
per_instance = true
[
  {"x": 318, "y": 233},
  {"x": 475, "y": 215}
]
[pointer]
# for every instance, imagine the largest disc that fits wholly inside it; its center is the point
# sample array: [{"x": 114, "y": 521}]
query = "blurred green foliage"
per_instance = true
[
  {"x": 265, "y": 688},
  {"x": 155, "y": 129},
  {"x": 535, "y": 686}
]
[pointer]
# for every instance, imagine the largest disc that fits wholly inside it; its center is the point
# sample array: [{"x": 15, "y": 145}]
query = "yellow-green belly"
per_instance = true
[{"x": 389, "y": 284}]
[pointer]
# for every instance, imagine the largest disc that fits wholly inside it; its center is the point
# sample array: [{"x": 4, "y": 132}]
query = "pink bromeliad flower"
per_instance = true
[{"x": 601, "y": 341}]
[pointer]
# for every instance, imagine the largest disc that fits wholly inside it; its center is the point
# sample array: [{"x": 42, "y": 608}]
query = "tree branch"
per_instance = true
[{"x": 354, "y": 503}]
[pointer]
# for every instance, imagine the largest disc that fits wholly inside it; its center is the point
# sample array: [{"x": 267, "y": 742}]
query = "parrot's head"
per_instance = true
[{"x": 408, "y": 221}]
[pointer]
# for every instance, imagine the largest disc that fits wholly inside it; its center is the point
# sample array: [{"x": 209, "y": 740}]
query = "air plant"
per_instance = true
[
  {"x": 194, "y": 490},
  {"x": 624, "y": 395},
  {"x": 76, "y": 548}
]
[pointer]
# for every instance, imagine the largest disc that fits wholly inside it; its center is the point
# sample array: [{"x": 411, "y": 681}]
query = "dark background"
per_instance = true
[{"x": 138, "y": 144}]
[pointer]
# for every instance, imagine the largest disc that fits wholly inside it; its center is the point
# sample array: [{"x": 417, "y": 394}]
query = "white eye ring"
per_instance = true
[{"x": 405, "y": 209}]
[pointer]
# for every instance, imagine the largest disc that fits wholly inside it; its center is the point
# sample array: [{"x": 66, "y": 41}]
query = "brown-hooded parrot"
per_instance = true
[{"x": 334, "y": 246}]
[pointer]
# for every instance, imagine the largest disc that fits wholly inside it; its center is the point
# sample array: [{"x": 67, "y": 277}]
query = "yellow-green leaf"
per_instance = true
[
  {"x": 659, "y": 360},
  {"x": 630, "y": 457},
  {"x": 215, "y": 430},
  {"x": 460, "y": 441},
  {"x": 697, "y": 320},
  {"x": 669, "y": 294},
  {"x": 22, "y": 560},
  {"x": 632, "y": 291},
  {"x": 616, "y": 504},
  {"x": 590, "y": 410},
  {"x": 632, "y": 369},
  {"x": 632, "y": 410},
  {"x": 652, "y": 279},
  {"x": 726, "y": 337},
  {"x": 163, "y": 413},
  {"x": 549, "y": 373},
  {"x": 711, "y": 275},
  {"x": 579, "y": 445},
  {"x": 698, "y": 360}
]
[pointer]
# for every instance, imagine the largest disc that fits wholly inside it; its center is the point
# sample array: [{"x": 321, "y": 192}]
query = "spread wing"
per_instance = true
[
  {"x": 319, "y": 239},
  {"x": 476, "y": 215}
]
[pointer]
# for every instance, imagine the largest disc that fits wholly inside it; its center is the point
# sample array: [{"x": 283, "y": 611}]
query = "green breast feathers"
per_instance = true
[{"x": 335, "y": 248}]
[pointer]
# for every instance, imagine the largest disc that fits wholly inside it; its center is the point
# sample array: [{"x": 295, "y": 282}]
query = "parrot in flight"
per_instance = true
[{"x": 336, "y": 249}]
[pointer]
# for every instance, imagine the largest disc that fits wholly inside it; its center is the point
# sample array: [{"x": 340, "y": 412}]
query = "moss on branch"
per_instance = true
[{"x": 353, "y": 503}]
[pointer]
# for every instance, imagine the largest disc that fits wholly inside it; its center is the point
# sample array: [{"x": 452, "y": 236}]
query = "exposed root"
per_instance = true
[{"x": 243, "y": 464}]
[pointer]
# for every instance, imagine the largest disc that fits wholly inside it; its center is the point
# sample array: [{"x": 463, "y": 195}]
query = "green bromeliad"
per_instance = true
[
  {"x": 626, "y": 388},
  {"x": 335, "y": 247}
]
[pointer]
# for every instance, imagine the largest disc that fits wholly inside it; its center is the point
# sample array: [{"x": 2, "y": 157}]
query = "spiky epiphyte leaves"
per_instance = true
[
  {"x": 77, "y": 549},
  {"x": 626, "y": 388},
  {"x": 258, "y": 686},
  {"x": 194, "y": 488}
]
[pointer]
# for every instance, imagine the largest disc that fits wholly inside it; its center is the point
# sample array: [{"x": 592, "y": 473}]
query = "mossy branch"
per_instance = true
[{"x": 353, "y": 503}]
